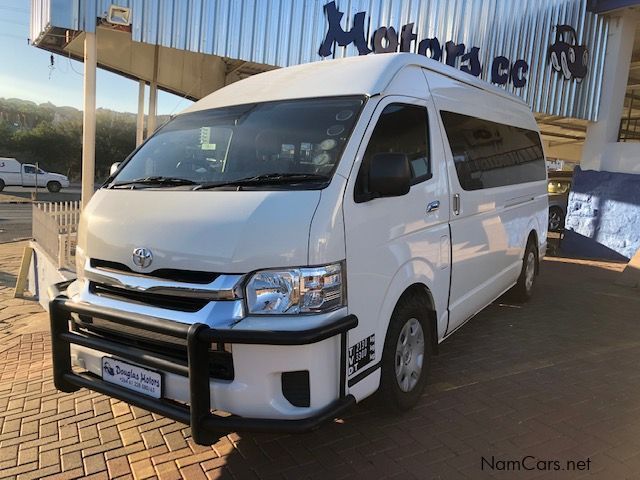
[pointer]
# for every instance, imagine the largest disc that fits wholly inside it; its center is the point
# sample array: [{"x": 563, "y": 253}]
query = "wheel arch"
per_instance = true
[{"x": 424, "y": 292}]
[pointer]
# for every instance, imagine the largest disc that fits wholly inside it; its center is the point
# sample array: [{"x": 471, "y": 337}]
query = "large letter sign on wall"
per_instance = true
[
  {"x": 386, "y": 40},
  {"x": 335, "y": 33}
]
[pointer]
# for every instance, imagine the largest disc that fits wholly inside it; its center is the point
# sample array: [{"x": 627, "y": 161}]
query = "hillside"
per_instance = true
[{"x": 52, "y": 136}]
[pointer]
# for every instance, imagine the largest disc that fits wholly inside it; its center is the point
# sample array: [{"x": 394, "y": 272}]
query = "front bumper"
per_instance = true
[{"x": 197, "y": 413}]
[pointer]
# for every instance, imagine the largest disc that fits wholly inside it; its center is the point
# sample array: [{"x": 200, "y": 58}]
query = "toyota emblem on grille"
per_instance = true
[{"x": 142, "y": 257}]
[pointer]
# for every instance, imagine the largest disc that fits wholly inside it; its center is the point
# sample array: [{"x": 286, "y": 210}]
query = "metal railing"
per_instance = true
[
  {"x": 629, "y": 127},
  {"x": 629, "y": 130},
  {"x": 55, "y": 228}
]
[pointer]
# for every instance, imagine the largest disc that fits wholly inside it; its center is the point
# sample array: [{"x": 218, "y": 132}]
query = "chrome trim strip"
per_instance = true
[
  {"x": 224, "y": 287},
  {"x": 215, "y": 314}
]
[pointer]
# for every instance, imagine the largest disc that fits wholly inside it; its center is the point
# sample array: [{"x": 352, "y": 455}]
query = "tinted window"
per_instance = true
[
  {"x": 489, "y": 154},
  {"x": 29, "y": 169},
  {"x": 225, "y": 144},
  {"x": 400, "y": 129}
]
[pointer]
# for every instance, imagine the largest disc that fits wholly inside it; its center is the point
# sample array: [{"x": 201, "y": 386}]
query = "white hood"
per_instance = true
[
  {"x": 58, "y": 175},
  {"x": 214, "y": 231}
]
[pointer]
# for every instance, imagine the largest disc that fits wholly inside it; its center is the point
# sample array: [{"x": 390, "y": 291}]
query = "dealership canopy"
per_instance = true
[{"x": 554, "y": 54}]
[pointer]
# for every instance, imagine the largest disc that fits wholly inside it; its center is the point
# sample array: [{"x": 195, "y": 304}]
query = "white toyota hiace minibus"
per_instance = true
[{"x": 298, "y": 240}]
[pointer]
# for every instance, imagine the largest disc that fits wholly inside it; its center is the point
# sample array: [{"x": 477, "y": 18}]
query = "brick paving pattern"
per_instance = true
[{"x": 557, "y": 379}]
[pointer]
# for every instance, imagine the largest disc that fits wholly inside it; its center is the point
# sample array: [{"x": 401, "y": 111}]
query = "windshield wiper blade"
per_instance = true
[
  {"x": 156, "y": 180},
  {"x": 267, "y": 179}
]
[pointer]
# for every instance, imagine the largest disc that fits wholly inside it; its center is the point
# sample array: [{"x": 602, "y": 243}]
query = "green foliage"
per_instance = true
[{"x": 52, "y": 136}]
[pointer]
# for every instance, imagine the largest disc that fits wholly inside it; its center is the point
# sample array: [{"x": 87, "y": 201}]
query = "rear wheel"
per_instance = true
[
  {"x": 1, "y": 184},
  {"x": 407, "y": 354},
  {"x": 54, "y": 187},
  {"x": 523, "y": 289}
]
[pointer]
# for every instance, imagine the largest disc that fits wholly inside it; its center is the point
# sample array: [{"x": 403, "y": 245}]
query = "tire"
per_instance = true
[
  {"x": 556, "y": 219},
  {"x": 54, "y": 187},
  {"x": 523, "y": 289},
  {"x": 406, "y": 357},
  {"x": 1, "y": 184}
]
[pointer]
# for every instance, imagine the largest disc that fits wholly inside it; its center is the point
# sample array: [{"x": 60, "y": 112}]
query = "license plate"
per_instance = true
[
  {"x": 132, "y": 377},
  {"x": 361, "y": 354}
]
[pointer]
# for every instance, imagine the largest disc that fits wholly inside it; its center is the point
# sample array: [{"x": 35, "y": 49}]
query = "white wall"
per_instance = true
[
  {"x": 601, "y": 149},
  {"x": 43, "y": 273},
  {"x": 621, "y": 157},
  {"x": 570, "y": 151}
]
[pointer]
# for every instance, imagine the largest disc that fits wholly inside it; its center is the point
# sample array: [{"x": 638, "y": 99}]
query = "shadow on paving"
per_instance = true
[
  {"x": 556, "y": 379},
  {"x": 7, "y": 279}
]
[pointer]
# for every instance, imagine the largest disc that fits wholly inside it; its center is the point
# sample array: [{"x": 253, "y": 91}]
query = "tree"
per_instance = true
[{"x": 52, "y": 136}]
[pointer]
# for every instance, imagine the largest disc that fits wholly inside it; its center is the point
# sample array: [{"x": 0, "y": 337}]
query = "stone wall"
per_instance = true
[{"x": 603, "y": 215}]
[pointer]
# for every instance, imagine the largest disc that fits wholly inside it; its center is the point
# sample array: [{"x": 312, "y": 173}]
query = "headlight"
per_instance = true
[{"x": 296, "y": 290}]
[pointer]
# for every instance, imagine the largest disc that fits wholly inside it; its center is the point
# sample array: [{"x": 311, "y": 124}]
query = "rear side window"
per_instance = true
[{"x": 489, "y": 154}]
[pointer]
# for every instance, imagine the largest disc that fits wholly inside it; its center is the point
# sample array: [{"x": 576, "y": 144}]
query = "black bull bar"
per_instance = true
[{"x": 197, "y": 414}]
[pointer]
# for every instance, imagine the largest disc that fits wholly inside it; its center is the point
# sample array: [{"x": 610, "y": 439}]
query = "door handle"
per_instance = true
[
  {"x": 433, "y": 206},
  {"x": 456, "y": 204}
]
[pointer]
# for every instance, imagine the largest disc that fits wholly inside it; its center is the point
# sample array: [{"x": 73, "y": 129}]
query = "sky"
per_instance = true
[{"x": 25, "y": 72}]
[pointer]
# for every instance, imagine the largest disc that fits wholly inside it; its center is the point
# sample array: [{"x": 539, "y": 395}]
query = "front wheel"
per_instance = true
[
  {"x": 407, "y": 354},
  {"x": 54, "y": 187},
  {"x": 1, "y": 184}
]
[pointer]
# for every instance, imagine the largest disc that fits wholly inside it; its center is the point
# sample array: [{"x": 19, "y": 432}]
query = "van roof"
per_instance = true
[{"x": 360, "y": 75}]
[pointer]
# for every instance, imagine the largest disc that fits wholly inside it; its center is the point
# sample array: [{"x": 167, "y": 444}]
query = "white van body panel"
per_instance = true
[
  {"x": 387, "y": 244},
  {"x": 326, "y": 236},
  {"x": 11, "y": 171},
  {"x": 217, "y": 231},
  {"x": 362, "y": 75},
  {"x": 490, "y": 233},
  {"x": 256, "y": 382},
  {"x": 394, "y": 243}
]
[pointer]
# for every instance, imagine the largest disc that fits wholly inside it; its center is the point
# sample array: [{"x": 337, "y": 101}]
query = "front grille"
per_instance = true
[
  {"x": 220, "y": 361},
  {"x": 170, "y": 302},
  {"x": 185, "y": 276}
]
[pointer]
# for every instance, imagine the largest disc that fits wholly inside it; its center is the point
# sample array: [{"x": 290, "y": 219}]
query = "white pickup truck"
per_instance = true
[{"x": 14, "y": 173}]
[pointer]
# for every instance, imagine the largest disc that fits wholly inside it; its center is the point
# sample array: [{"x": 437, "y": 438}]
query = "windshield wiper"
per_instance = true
[
  {"x": 155, "y": 181},
  {"x": 267, "y": 179}
]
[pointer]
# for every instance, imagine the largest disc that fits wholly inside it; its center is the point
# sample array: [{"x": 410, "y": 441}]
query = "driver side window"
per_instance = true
[{"x": 404, "y": 129}]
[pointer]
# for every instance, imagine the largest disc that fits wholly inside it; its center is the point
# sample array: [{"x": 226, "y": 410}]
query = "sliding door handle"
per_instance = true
[{"x": 456, "y": 204}]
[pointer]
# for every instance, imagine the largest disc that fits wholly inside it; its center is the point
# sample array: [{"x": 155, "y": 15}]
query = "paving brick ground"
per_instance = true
[{"x": 557, "y": 379}]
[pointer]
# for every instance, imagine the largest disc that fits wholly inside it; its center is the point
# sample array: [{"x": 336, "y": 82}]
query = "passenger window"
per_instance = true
[
  {"x": 400, "y": 129},
  {"x": 489, "y": 154},
  {"x": 29, "y": 169}
]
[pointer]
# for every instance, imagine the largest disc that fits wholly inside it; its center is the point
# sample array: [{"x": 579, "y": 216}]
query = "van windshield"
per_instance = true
[{"x": 292, "y": 143}]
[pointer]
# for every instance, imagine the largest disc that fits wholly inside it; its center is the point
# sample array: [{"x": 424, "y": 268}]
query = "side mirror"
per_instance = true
[
  {"x": 389, "y": 175},
  {"x": 114, "y": 168}
]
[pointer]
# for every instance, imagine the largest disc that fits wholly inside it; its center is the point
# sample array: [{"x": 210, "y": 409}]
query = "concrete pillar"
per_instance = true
[
  {"x": 153, "y": 95},
  {"x": 153, "y": 100},
  {"x": 140, "y": 119},
  {"x": 614, "y": 84},
  {"x": 89, "y": 118}
]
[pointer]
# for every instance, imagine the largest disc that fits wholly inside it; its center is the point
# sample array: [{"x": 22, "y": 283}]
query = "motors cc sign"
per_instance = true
[{"x": 386, "y": 39}]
